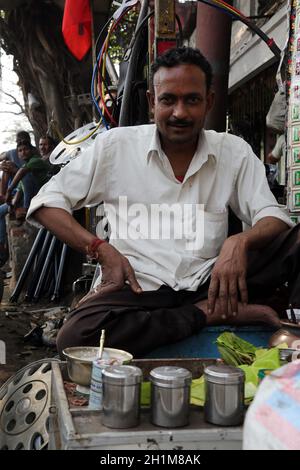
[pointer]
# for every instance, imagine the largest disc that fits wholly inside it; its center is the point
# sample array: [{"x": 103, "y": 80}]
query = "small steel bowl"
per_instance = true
[
  {"x": 283, "y": 336},
  {"x": 80, "y": 361}
]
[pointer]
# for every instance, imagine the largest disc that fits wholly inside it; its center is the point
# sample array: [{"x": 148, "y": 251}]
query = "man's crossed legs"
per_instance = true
[{"x": 140, "y": 323}]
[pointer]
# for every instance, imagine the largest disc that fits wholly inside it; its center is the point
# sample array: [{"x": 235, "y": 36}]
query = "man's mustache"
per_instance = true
[{"x": 179, "y": 123}]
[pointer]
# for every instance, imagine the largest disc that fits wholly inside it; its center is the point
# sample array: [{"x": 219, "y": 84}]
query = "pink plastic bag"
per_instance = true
[{"x": 273, "y": 420}]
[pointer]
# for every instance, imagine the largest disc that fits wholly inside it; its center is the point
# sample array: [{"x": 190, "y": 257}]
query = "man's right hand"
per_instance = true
[
  {"x": 8, "y": 167},
  {"x": 116, "y": 270}
]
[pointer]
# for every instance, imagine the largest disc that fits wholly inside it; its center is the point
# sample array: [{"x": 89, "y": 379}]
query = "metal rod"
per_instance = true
[
  {"x": 45, "y": 269},
  {"x": 28, "y": 263},
  {"x": 49, "y": 277},
  {"x": 39, "y": 266},
  {"x": 56, "y": 292}
]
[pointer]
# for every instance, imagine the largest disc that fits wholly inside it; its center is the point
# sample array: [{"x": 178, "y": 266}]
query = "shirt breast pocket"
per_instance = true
[{"x": 214, "y": 231}]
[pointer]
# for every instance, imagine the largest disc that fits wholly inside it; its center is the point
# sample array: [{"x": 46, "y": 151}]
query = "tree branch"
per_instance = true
[
  {"x": 14, "y": 101},
  {"x": 12, "y": 112}
]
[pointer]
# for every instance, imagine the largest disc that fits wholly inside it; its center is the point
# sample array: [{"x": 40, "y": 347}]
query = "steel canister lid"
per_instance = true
[
  {"x": 170, "y": 376},
  {"x": 224, "y": 374},
  {"x": 122, "y": 375}
]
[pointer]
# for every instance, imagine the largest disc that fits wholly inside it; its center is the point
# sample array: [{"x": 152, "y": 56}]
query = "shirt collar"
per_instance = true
[
  {"x": 155, "y": 146},
  {"x": 202, "y": 154}
]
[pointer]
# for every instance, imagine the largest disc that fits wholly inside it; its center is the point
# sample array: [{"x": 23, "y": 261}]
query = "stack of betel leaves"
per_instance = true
[
  {"x": 239, "y": 353},
  {"x": 234, "y": 350}
]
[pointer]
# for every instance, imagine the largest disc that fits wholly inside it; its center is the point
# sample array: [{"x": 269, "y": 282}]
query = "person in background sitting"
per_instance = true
[
  {"x": 9, "y": 164},
  {"x": 38, "y": 174},
  {"x": 46, "y": 145}
]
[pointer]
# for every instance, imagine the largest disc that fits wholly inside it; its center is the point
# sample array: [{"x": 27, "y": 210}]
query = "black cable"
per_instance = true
[
  {"x": 135, "y": 35},
  {"x": 269, "y": 41},
  {"x": 114, "y": 100},
  {"x": 102, "y": 31},
  {"x": 96, "y": 45},
  {"x": 130, "y": 75},
  {"x": 179, "y": 29}
]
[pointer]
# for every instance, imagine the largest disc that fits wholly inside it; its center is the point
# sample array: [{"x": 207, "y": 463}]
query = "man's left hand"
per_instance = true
[{"x": 228, "y": 278}]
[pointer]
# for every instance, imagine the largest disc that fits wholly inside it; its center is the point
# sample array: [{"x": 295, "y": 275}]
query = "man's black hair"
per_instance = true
[
  {"x": 180, "y": 56},
  {"x": 23, "y": 135},
  {"x": 24, "y": 143}
]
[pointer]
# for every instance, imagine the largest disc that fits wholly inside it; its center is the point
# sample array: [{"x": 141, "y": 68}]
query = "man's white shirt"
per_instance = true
[{"x": 128, "y": 170}]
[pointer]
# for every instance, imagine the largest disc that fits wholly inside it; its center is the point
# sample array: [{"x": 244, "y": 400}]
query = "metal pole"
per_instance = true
[
  {"x": 165, "y": 33},
  {"x": 213, "y": 37}
]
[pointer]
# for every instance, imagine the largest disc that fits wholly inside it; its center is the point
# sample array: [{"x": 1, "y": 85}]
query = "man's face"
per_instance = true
[
  {"x": 180, "y": 103},
  {"x": 44, "y": 147},
  {"x": 24, "y": 152}
]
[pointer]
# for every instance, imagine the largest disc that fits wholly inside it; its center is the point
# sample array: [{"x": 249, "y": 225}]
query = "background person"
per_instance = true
[{"x": 32, "y": 176}]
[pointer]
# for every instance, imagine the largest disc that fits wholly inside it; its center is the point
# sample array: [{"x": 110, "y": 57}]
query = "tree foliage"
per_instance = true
[
  {"x": 45, "y": 68},
  {"x": 121, "y": 38}
]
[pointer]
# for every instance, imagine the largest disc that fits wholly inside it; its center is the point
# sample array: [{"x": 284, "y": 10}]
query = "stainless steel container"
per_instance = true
[
  {"x": 170, "y": 396},
  {"x": 224, "y": 395},
  {"x": 121, "y": 396}
]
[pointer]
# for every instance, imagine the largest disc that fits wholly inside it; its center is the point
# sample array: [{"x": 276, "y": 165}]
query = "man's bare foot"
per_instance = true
[{"x": 247, "y": 315}]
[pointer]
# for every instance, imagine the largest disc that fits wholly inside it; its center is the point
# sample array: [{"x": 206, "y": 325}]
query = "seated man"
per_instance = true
[
  {"x": 9, "y": 164},
  {"x": 168, "y": 269},
  {"x": 36, "y": 171}
]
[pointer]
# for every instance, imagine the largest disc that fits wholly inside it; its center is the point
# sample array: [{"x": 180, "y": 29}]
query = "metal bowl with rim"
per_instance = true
[{"x": 80, "y": 361}]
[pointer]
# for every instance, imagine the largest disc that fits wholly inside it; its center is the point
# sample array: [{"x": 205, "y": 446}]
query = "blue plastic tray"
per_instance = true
[{"x": 203, "y": 344}]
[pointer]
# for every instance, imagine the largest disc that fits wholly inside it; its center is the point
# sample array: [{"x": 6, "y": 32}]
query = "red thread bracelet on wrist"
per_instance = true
[{"x": 91, "y": 249}]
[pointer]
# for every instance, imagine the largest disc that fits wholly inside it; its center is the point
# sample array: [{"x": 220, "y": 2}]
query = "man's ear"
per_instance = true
[{"x": 150, "y": 97}]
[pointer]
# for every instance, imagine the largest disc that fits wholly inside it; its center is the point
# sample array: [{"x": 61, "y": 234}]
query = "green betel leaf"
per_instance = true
[{"x": 235, "y": 350}]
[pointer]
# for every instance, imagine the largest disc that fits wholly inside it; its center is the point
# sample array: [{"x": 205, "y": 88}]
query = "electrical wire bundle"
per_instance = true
[
  {"x": 100, "y": 66},
  {"x": 100, "y": 70}
]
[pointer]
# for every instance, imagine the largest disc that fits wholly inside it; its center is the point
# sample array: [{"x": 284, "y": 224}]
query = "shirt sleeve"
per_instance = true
[
  {"x": 252, "y": 199},
  {"x": 36, "y": 163},
  {"x": 80, "y": 183}
]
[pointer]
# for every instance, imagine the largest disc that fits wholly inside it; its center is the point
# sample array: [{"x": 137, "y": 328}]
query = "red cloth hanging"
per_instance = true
[{"x": 76, "y": 27}]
